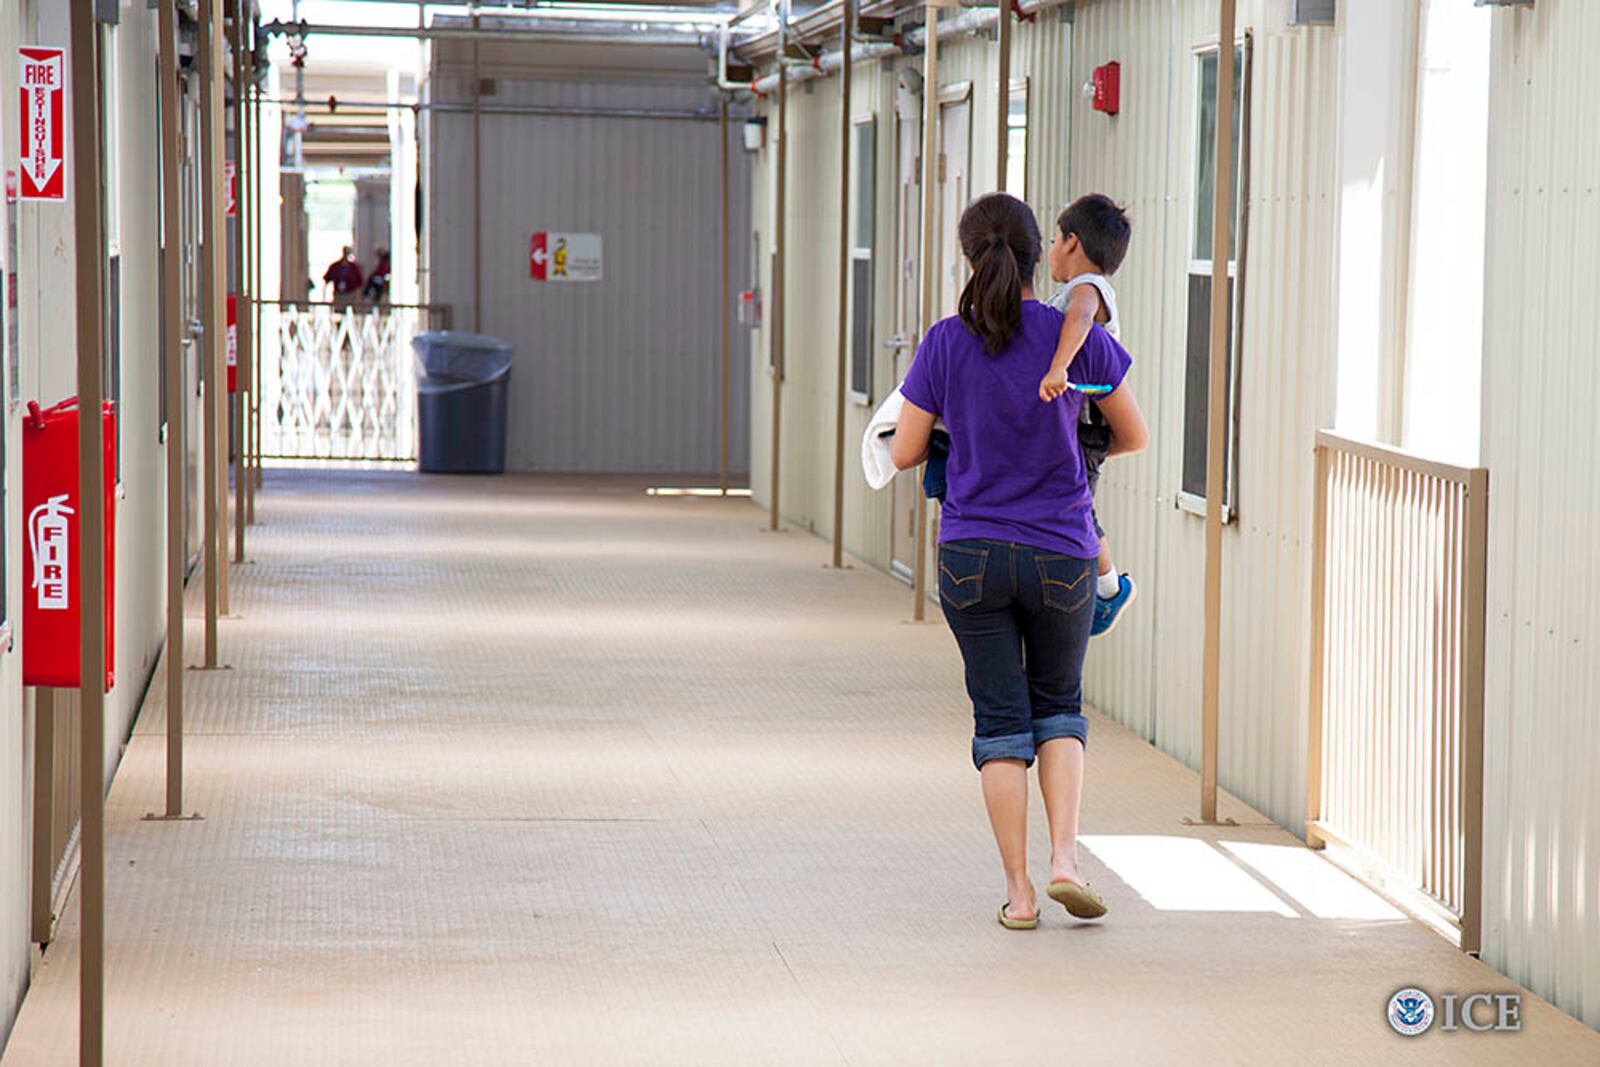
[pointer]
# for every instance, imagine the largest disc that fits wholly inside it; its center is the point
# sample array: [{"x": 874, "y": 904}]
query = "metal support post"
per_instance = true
[
  {"x": 930, "y": 157},
  {"x": 212, "y": 317},
  {"x": 172, "y": 316},
  {"x": 726, "y": 302},
  {"x": 1217, "y": 413},
  {"x": 242, "y": 239},
  {"x": 89, "y": 249},
  {"x": 846, "y": 30},
  {"x": 477, "y": 181},
  {"x": 779, "y": 255}
]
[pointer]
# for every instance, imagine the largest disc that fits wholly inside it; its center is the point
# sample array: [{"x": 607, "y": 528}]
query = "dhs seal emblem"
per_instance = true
[{"x": 1410, "y": 1012}]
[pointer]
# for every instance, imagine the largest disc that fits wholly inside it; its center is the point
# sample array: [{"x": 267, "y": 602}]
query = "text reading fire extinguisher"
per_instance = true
[{"x": 52, "y": 604}]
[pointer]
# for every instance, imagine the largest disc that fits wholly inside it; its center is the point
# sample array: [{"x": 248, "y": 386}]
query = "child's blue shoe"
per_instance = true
[{"x": 1107, "y": 610}]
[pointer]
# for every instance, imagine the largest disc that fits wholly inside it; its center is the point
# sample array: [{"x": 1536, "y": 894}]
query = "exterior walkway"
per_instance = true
[{"x": 538, "y": 771}]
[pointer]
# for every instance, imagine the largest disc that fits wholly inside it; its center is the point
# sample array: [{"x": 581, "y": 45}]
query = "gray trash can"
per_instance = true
[{"x": 462, "y": 382}]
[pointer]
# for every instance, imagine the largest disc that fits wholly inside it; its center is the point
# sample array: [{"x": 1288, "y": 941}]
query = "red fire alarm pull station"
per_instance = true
[
  {"x": 52, "y": 601},
  {"x": 1108, "y": 87},
  {"x": 750, "y": 307}
]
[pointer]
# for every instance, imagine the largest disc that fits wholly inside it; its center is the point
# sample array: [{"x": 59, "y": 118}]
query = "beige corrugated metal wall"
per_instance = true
[
  {"x": 1142, "y": 158},
  {"x": 1542, "y": 446},
  {"x": 16, "y": 715},
  {"x": 1040, "y": 49},
  {"x": 1147, "y": 674},
  {"x": 621, "y": 374},
  {"x": 812, "y": 351}
]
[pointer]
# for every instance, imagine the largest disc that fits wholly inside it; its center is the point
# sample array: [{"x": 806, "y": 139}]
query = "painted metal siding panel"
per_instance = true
[
  {"x": 1541, "y": 442},
  {"x": 762, "y": 164},
  {"x": 16, "y": 710},
  {"x": 1148, "y": 673},
  {"x": 1039, "y": 54},
  {"x": 1129, "y": 157},
  {"x": 623, "y": 374}
]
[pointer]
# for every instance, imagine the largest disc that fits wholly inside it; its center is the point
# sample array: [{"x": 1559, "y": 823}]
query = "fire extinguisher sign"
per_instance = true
[
  {"x": 53, "y": 543},
  {"x": 43, "y": 90},
  {"x": 47, "y": 538}
]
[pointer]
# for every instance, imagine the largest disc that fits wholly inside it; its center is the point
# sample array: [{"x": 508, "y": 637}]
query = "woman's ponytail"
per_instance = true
[{"x": 1001, "y": 240}]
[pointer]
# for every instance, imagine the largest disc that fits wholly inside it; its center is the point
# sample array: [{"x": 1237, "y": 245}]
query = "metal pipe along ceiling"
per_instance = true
[
  {"x": 708, "y": 114},
  {"x": 969, "y": 22},
  {"x": 575, "y": 31}
]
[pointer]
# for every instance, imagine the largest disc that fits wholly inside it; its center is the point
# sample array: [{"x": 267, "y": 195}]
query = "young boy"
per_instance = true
[{"x": 1090, "y": 240}]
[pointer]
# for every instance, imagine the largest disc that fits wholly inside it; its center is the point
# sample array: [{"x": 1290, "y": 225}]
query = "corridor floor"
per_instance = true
[{"x": 552, "y": 772}]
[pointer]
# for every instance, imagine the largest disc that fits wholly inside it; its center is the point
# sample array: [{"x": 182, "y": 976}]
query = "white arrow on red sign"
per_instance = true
[
  {"x": 537, "y": 256},
  {"x": 43, "y": 142},
  {"x": 564, "y": 257}
]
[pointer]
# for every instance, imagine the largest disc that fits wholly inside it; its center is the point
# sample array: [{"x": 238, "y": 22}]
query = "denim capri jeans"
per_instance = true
[{"x": 1021, "y": 616}]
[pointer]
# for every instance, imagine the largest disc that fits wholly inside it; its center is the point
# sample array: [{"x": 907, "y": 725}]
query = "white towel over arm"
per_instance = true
[{"x": 876, "y": 462}]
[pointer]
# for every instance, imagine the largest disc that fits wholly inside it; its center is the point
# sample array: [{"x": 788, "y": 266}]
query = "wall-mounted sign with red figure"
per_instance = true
[{"x": 564, "y": 257}]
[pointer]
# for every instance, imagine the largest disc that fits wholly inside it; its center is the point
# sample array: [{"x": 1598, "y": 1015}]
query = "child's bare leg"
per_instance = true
[
  {"x": 1113, "y": 591},
  {"x": 1107, "y": 583}
]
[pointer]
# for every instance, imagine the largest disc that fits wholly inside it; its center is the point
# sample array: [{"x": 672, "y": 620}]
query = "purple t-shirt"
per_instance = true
[{"x": 1016, "y": 470}]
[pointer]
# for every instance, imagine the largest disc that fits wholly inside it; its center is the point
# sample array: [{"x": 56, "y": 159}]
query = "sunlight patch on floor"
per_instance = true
[
  {"x": 1315, "y": 884},
  {"x": 1183, "y": 874}
]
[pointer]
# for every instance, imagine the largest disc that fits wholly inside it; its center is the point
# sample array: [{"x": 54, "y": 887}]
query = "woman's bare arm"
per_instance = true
[
  {"x": 910, "y": 444},
  {"x": 1129, "y": 434}
]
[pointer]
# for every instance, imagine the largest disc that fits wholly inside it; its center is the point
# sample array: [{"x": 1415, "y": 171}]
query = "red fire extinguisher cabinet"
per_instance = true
[{"x": 52, "y": 604}]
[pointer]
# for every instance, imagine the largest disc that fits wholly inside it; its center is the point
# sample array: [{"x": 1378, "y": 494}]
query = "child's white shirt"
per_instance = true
[{"x": 1108, "y": 297}]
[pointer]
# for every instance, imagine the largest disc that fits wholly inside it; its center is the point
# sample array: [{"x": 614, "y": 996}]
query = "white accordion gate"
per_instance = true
[{"x": 339, "y": 385}]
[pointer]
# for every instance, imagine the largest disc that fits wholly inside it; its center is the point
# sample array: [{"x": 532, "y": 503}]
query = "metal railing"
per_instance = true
[
  {"x": 336, "y": 379},
  {"x": 1397, "y": 624}
]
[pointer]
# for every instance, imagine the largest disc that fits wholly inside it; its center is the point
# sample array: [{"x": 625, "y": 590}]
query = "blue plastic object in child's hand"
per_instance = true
[{"x": 1093, "y": 390}]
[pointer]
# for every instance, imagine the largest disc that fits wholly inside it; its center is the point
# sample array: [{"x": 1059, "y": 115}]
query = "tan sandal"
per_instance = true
[
  {"x": 1080, "y": 901},
  {"x": 1016, "y": 924}
]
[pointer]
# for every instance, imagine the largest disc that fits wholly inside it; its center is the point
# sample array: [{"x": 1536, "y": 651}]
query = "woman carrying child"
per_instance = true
[{"x": 1017, "y": 543}]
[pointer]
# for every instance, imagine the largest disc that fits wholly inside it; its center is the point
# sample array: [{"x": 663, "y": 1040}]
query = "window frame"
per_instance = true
[
  {"x": 111, "y": 221},
  {"x": 1019, "y": 86},
  {"x": 861, "y": 351},
  {"x": 1184, "y": 499},
  {"x": 160, "y": 148},
  {"x": 769, "y": 152},
  {"x": 10, "y": 337}
]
